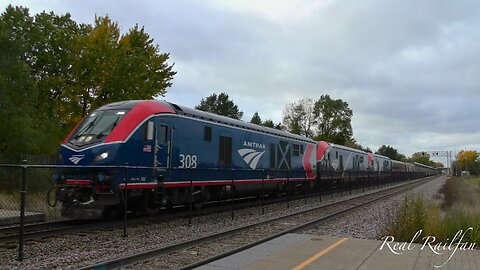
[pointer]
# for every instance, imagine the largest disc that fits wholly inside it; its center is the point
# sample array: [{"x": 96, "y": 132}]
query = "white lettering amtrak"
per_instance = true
[{"x": 254, "y": 145}]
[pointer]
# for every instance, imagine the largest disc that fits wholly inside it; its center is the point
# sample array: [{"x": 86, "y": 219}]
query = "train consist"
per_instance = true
[{"x": 174, "y": 151}]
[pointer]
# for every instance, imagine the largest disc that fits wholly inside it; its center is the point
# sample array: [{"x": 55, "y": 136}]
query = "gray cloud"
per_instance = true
[{"x": 408, "y": 69}]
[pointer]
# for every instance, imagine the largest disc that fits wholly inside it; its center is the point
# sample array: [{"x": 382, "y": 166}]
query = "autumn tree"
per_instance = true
[
  {"x": 333, "y": 119},
  {"x": 439, "y": 165},
  {"x": 116, "y": 67},
  {"x": 72, "y": 69},
  {"x": 467, "y": 158},
  {"x": 220, "y": 104}
]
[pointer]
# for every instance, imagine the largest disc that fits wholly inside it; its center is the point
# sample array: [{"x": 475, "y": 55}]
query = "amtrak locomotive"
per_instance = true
[{"x": 173, "y": 150}]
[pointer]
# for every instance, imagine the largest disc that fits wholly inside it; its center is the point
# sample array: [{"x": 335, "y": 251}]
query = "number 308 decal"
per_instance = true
[{"x": 188, "y": 161}]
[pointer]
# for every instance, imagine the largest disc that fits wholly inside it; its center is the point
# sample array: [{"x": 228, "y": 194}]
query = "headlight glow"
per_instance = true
[{"x": 102, "y": 156}]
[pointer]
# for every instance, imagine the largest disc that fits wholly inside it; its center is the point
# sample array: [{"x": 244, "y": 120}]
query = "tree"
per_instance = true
[
  {"x": 352, "y": 143},
  {"x": 17, "y": 88},
  {"x": 299, "y": 117},
  {"x": 439, "y": 165},
  {"x": 422, "y": 157},
  {"x": 256, "y": 119},
  {"x": 220, "y": 104},
  {"x": 389, "y": 151},
  {"x": 269, "y": 123},
  {"x": 70, "y": 69},
  {"x": 333, "y": 119},
  {"x": 467, "y": 158},
  {"x": 114, "y": 67}
]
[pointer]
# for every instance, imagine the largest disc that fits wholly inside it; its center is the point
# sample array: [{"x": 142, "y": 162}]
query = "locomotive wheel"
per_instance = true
[
  {"x": 197, "y": 205},
  {"x": 150, "y": 205},
  {"x": 152, "y": 210},
  {"x": 112, "y": 212}
]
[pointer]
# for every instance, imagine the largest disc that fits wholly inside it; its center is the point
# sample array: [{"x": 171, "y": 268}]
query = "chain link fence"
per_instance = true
[{"x": 41, "y": 203}]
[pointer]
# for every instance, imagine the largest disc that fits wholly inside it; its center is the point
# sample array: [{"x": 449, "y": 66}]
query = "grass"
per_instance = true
[
  {"x": 458, "y": 209},
  {"x": 35, "y": 202},
  {"x": 38, "y": 182}
]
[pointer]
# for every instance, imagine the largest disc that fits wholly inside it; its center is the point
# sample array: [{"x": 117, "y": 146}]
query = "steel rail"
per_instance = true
[
  {"x": 45, "y": 230},
  {"x": 128, "y": 260}
]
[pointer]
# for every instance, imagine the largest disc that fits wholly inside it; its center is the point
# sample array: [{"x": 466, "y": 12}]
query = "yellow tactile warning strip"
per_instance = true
[{"x": 320, "y": 254}]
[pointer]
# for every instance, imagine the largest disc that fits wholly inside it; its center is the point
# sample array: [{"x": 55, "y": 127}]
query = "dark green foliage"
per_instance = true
[
  {"x": 334, "y": 119},
  {"x": 324, "y": 119},
  {"x": 269, "y": 123},
  {"x": 421, "y": 157},
  {"x": 354, "y": 144},
  {"x": 54, "y": 71},
  {"x": 389, "y": 151},
  {"x": 221, "y": 105},
  {"x": 17, "y": 90},
  {"x": 256, "y": 119}
]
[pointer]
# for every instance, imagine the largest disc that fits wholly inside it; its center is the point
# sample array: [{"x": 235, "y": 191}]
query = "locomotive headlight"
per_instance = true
[{"x": 102, "y": 156}]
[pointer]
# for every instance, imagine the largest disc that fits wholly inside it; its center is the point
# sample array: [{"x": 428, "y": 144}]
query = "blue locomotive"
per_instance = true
[
  {"x": 160, "y": 153},
  {"x": 170, "y": 149}
]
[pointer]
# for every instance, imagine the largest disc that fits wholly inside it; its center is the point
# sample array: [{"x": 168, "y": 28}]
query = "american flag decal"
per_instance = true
[{"x": 147, "y": 148}]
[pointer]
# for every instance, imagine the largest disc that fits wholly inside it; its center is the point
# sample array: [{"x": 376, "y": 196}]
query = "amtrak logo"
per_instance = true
[
  {"x": 76, "y": 158},
  {"x": 250, "y": 156},
  {"x": 335, "y": 165},
  {"x": 254, "y": 145}
]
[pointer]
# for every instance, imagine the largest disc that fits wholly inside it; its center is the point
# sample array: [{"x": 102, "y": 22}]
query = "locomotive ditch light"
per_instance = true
[{"x": 102, "y": 156}]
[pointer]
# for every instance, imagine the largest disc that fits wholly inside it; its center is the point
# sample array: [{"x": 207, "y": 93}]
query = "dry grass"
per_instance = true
[
  {"x": 459, "y": 210},
  {"x": 35, "y": 202}
]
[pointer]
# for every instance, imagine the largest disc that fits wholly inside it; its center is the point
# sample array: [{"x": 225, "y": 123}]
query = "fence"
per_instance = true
[{"x": 37, "y": 192}]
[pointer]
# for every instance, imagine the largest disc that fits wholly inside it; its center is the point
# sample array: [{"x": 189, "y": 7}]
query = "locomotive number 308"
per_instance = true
[{"x": 188, "y": 161}]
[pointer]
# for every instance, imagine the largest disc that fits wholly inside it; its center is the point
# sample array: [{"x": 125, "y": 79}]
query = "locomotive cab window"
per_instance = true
[
  {"x": 225, "y": 151},
  {"x": 149, "y": 130},
  {"x": 207, "y": 134},
  {"x": 162, "y": 134},
  {"x": 301, "y": 149},
  {"x": 296, "y": 150}
]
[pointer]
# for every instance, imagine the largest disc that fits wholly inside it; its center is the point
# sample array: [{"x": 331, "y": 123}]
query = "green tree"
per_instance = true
[
  {"x": 220, "y": 104},
  {"x": 421, "y": 157},
  {"x": 333, "y": 118},
  {"x": 269, "y": 123},
  {"x": 256, "y": 119},
  {"x": 113, "y": 67},
  {"x": 73, "y": 69},
  {"x": 389, "y": 151},
  {"x": 17, "y": 88},
  {"x": 352, "y": 143},
  {"x": 299, "y": 117}
]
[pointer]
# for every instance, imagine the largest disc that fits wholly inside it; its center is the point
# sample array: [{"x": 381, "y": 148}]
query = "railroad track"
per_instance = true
[
  {"x": 240, "y": 238},
  {"x": 50, "y": 230}
]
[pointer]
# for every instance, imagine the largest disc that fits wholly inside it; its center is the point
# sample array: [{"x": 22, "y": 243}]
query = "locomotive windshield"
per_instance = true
[{"x": 97, "y": 126}]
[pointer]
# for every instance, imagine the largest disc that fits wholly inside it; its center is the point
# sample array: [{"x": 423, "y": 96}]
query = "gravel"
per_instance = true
[
  {"x": 369, "y": 222},
  {"x": 83, "y": 249}
]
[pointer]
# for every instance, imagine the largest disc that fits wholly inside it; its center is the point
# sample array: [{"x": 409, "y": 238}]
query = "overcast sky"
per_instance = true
[{"x": 410, "y": 70}]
